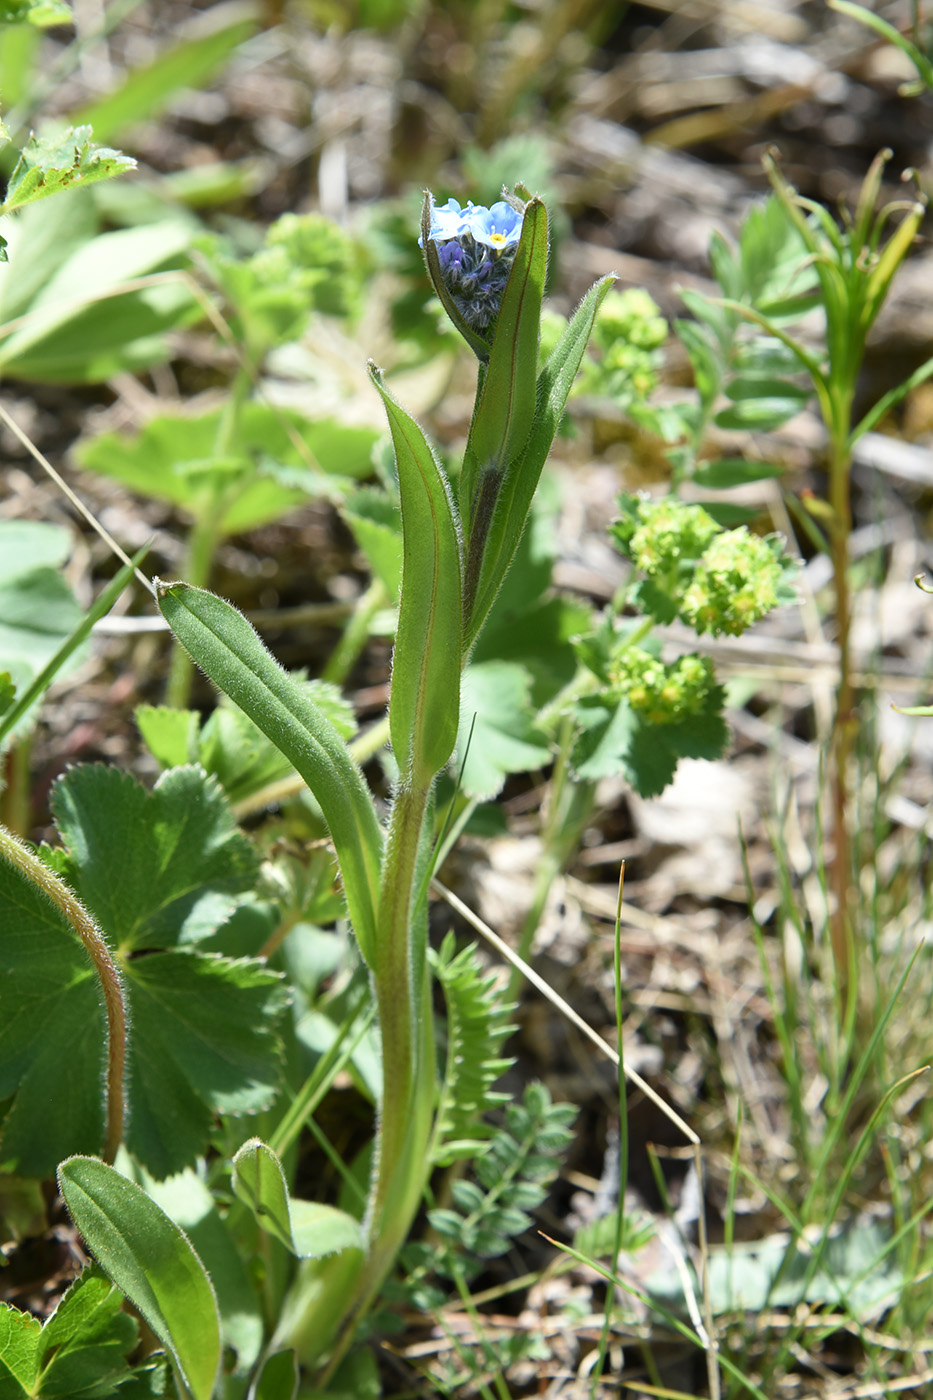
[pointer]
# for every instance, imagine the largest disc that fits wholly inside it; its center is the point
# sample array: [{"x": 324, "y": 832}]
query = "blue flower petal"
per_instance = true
[
  {"x": 446, "y": 220},
  {"x": 498, "y": 227}
]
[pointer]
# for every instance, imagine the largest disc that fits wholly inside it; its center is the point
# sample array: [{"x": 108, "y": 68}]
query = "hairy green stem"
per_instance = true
[
  {"x": 840, "y": 529},
  {"x": 356, "y": 634},
  {"x": 402, "y": 998},
  {"x": 398, "y": 989},
  {"x": 206, "y": 532},
  {"x": 18, "y": 854},
  {"x": 16, "y": 794}
]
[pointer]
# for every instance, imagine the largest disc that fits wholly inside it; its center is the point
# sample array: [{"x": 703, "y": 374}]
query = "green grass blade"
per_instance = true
[
  {"x": 48, "y": 673},
  {"x": 150, "y": 88},
  {"x": 887, "y": 31}
]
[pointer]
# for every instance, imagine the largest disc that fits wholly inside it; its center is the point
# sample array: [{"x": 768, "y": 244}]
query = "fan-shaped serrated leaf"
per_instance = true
[
  {"x": 48, "y": 165},
  {"x": 50, "y": 1016},
  {"x": 203, "y": 1042},
  {"x": 154, "y": 868}
]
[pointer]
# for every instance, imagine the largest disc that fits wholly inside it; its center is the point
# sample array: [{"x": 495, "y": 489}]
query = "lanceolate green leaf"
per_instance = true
[
  {"x": 505, "y": 407},
  {"x": 146, "y": 90},
  {"x": 150, "y": 1259},
  {"x": 228, "y": 649},
  {"x": 424, "y": 709},
  {"x": 521, "y": 477}
]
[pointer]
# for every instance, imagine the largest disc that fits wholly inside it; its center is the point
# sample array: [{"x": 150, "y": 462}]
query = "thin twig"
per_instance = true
[{"x": 78, "y": 504}]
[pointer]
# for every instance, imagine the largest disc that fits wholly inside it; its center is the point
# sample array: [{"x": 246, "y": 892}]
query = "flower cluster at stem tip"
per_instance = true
[
  {"x": 718, "y": 580},
  {"x": 664, "y": 694},
  {"x": 736, "y": 582},
  {"x": 476, "y": 248}
]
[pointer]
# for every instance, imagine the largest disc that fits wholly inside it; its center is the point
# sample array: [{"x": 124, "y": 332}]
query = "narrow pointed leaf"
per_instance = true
[
  {"x": 505, "y": 408},
  {"x": 309, "y": 1230},
  {"x": 425, "y": 704},
  {"x": 521, "y": 479},
  {"x": 150, "y": 1259},
  {"x": 46, "y": 676},
  {"x": 231, "y": 653}
]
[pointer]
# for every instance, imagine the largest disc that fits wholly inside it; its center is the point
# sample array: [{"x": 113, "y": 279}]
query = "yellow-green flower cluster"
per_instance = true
[
  {"x": 664, "y": 694},
  {"x": 714, "y": 579},
  {"x": 666, "y": 533},
  {"x": 310, "y": 251},
  {"x": 735, "y": 583}
]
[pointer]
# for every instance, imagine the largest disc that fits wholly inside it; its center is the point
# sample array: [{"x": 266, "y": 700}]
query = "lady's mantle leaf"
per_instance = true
[
  {"x": 497, "y": 734},
  {"x": 79, "y": 1351},
  {"x": 156, "y": 869},
  {"x": 614, "y": 738},
  {"x": 47, "y": 166},
  {"x": 202, "y": 1040}
]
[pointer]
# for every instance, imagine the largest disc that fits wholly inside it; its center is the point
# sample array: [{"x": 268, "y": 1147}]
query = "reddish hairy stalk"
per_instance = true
[{"x": 18, "y": 854}]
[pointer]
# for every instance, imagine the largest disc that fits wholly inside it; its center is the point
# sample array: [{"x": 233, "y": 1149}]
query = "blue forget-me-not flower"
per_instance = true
[{"x": 476, "y": 248}]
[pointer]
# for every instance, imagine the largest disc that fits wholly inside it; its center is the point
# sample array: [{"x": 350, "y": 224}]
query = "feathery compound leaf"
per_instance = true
[
  {"x": 476, "y": 1027},
  {"x": 513, "y": 1171}
]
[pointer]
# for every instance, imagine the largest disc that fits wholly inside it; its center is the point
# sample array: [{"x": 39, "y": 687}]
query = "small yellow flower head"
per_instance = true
[{"x": 735, "y": 583}]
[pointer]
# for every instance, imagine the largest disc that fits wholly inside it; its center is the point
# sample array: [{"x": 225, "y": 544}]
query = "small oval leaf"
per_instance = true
[{"x": 309, "y": 1230}]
